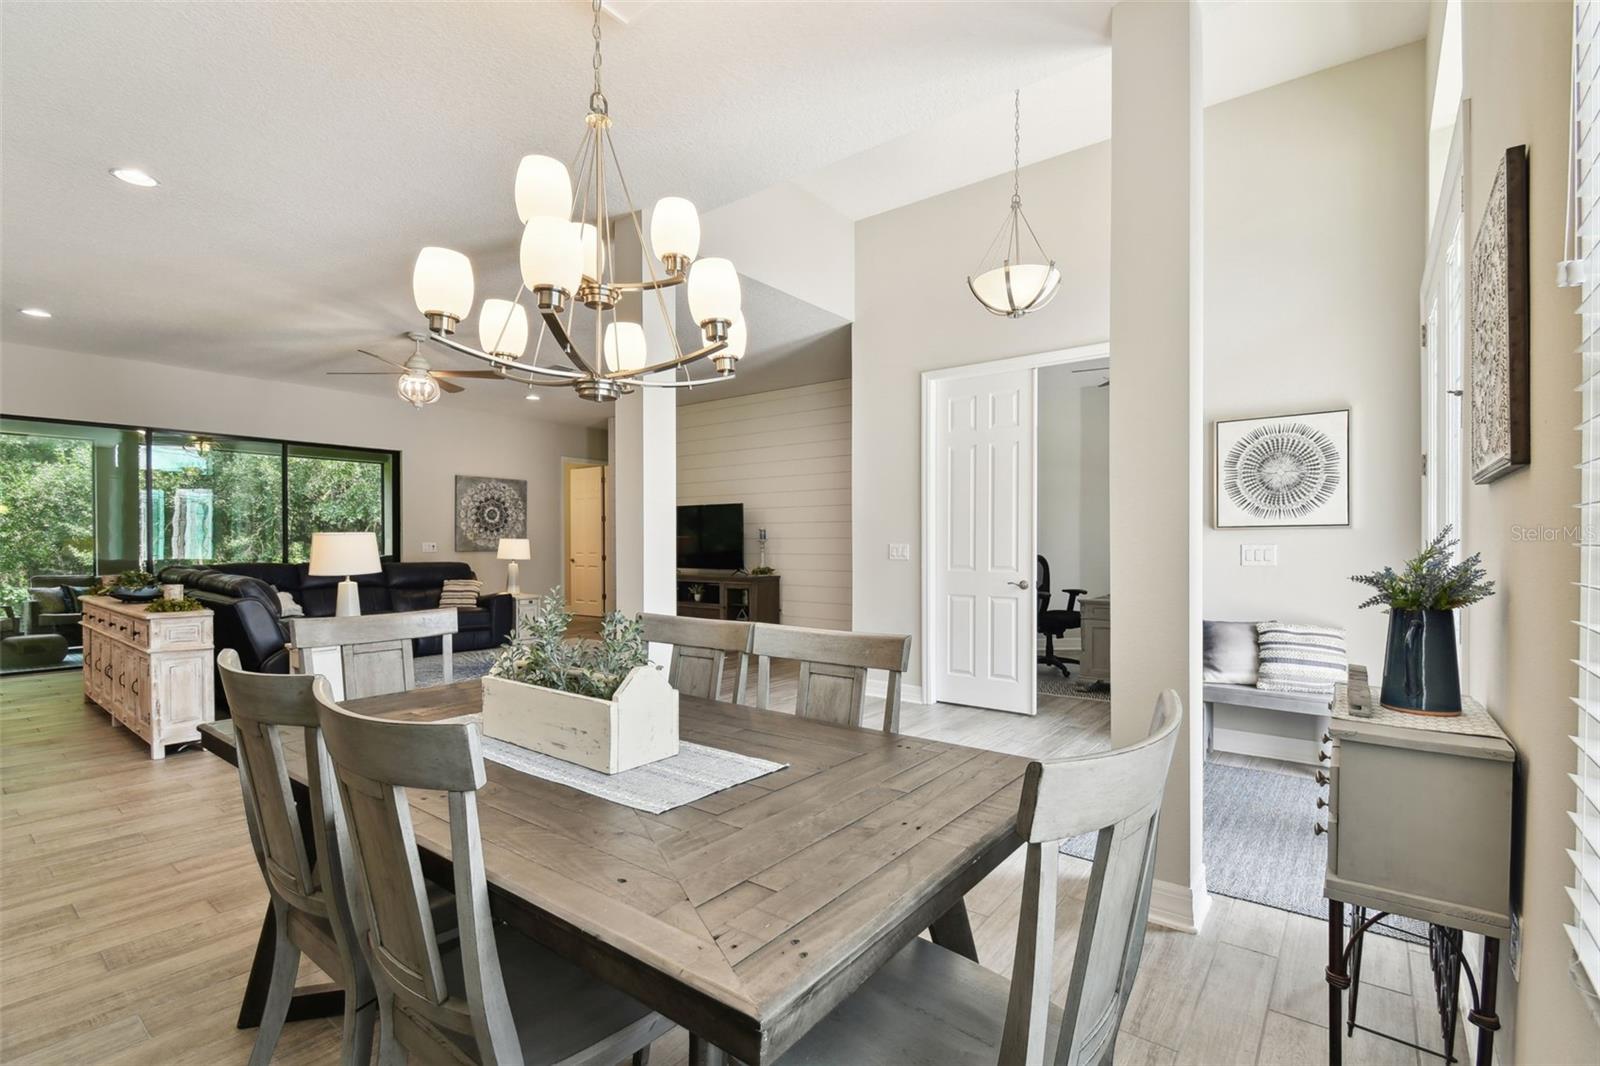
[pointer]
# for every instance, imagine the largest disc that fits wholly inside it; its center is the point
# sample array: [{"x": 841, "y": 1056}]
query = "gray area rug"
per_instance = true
[
  {"x": 1259, "y": 846},
  {"x": 1051, "y": 683},
  {"x": 464, "y": 664}
]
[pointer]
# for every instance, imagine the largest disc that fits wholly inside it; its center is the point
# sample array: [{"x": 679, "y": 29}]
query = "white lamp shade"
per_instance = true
[
  {"x": 417, "y": 388},
  {"x": 514, "y": 548},
  {"x": 442, "y": 283},
  {"x": 738, "y": 337},
  {"x": 1032, "y": 286},
  {"x": 503, "y": 328},
  {"x": 544, "y": 188},
  {"x": 344, "y": 554},
  {"x": 675, "y": 228},
  {"x": 589, "y": 238},
  {"x": 713, "y": 290},
  {"x": 552, "y": 254},
  {"x": 624, "y": 345}
]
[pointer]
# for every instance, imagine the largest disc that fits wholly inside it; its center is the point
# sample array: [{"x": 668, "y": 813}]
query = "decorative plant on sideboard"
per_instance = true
[
  {"x": 598, "y": 703},
  {"x": 1420, "y": 672}
]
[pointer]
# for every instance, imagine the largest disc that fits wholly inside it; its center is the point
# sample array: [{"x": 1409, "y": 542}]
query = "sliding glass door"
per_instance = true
[{"x": 214, "y": 499}]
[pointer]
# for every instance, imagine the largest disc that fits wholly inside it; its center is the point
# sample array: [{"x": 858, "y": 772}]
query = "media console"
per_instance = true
[{"x": 728, "y": 594}]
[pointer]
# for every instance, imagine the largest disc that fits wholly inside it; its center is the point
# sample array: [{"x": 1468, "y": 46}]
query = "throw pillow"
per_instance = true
[
  {"x": 69, "y": 599},
  {"x": 288, "y": 608},
  {"x": 1230, "y": 656},
  {"x": 460, "y": 593},
  {"x": 1301, "y": 658},
  {"x": 50, "y": 601}
]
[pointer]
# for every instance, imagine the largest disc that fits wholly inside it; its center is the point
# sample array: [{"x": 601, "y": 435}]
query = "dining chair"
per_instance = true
[
  {"x": 307, "y": 885},
  {"x": 833, "y": 670},
  {"x": 495, "y": 996},
  {"x": 700, "y": 649},
  {"x": 372, "y": 654},
  {"x": 929, "y": 1006}
]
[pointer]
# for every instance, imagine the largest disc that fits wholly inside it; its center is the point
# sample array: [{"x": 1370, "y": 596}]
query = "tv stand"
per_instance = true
[{"x": 729, "y": 594}]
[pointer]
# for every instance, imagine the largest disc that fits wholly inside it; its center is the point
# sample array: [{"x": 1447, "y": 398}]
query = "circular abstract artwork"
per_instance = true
[
  {"x": 488, "y": 509},
  {"x": 1282, "y": 471}
]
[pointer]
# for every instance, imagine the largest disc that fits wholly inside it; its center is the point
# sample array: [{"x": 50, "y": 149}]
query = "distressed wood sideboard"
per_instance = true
[{"x": 151, "y": 672}]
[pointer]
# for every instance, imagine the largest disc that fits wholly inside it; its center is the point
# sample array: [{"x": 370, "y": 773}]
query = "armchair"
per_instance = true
[{"x": 41, "y": 617}]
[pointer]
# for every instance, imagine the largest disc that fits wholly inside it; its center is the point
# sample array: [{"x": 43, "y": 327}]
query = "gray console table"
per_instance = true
[{"x": 1418, "y": 825}]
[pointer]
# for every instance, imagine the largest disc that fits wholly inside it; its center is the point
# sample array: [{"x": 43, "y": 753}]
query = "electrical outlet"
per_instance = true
[
  {"x": 429, "y": 546},
  {"x": 1258, "y": 555},
  {"x": 899, "y": 551}
]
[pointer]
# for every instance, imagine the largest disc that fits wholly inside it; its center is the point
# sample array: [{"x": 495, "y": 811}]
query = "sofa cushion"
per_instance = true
[
  {"x": 1230, "y": 656},
  {"x": 50, "y": 600},
  {"x": 472, "y": 618},
  {"x": 1300, "y": 658},
  {"x": 285, "y": 577}
]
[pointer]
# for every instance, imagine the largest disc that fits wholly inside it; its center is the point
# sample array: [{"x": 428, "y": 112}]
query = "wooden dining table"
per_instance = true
[{"x": 750, "y": 914}]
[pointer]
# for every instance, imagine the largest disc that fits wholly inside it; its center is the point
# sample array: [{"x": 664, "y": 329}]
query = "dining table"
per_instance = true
[{"x": 745, "y": 916}]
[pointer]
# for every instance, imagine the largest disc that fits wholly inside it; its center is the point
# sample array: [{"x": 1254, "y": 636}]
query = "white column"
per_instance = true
[{"x": 1157, "y": 450}]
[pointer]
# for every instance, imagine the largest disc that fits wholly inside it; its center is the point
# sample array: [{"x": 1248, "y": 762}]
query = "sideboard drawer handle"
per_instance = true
[
  {"x": 1322, "y": 778},
  {"x": 1318, "y": 829},
  {"x": 1322, "y": 756},
  {"x": 1321, "y": 803},
  {"x": 1327, "y": 738}
]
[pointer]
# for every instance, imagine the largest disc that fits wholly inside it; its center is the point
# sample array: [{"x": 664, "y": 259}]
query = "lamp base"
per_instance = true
[
  {"x": 511, "y": 579},
  {"x": 348, "y": 603}
]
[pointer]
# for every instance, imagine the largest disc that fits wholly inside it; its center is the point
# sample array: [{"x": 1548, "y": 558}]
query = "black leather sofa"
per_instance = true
[{"x": 244, "y": 600}]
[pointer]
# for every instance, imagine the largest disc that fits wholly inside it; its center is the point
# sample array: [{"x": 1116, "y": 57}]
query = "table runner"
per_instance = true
[{"x": 693, "y": 774}]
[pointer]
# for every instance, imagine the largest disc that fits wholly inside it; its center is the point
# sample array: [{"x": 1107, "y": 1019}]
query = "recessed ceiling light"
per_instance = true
[
  {"x": 134, "y": 176},
  {"x": 36, "y": 312}
]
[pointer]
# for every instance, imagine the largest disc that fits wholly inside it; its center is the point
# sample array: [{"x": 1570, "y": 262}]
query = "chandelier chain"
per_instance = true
[
  {"x": 597, "y": 99},
  {"x": 1016, "y": 150}
]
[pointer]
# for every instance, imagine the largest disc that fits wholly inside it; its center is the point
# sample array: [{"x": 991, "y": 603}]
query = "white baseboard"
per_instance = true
[
  {"x": 878, "y": 688},
  {"x": 1263, "y": 745},
  {"x": 1180, "y": 907}
]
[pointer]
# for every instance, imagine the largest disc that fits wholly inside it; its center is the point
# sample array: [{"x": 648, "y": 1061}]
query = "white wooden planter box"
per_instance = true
[{"x": 636, "y": 726}]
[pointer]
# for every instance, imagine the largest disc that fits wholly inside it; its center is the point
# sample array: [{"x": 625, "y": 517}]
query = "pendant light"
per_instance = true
[{"x": 1013, "y": 287}]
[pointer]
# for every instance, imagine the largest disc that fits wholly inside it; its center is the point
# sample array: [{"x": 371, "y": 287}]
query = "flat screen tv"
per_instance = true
[{"x": 711, "y": 536}]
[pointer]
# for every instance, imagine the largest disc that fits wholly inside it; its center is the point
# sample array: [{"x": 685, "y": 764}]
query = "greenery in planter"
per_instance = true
[
  {"x": 697, "y": 591},
  {"x": 762, "y": 571},
  {"x": 128, "y": 579},
  {"x": 1430, "y": 582},
  {"x": 539, "y": 653},
  {"x": 173, "y": 606}
]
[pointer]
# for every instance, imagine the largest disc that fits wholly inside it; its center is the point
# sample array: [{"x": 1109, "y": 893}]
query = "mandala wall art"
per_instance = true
[
  {"x": 1500, "y": 325},
  {"x": 1293, "y": 470},
  {"x": 488, "y": 508}
]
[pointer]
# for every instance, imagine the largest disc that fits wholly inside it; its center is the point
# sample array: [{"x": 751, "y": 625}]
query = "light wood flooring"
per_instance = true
[{"x": 130, "y": 904}]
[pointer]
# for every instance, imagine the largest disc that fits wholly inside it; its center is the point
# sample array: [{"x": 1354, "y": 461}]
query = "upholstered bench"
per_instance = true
[
  {"x": 1301, "y": 746},
  {"x": 1274, "y": 721},
  {"x": 35, "y": 651}
]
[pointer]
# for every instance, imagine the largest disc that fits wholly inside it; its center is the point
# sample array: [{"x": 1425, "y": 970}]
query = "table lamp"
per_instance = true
[
  {"x": 342, "y": 555},
  {"x": 513, "y": 548}
]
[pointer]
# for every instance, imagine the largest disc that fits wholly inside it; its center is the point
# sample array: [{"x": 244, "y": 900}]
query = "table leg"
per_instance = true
[
  {"x": 953, "y": 931},
  {"x": 1485, "y": 1018},
  {"x": 1338, "y": 981},
  {"x": 321, "y": 1003},
  {"x": 705, "y": 1053}
]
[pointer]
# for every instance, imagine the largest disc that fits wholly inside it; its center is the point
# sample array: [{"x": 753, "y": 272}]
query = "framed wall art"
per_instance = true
[
  {"x": 1500, "y": 325},
  {"x": 488, "y": 508},
  {"x": 1289, "y": 470}
]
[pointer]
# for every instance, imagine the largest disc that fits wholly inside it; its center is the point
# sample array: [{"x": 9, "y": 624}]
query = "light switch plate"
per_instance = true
[
  {"x": 1258, "y": 555},
  {"x": 899, "y": 551},
  {"x": 429, "y": 546}
]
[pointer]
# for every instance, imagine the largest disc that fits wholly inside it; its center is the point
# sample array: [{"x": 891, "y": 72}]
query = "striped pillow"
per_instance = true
[
  {"x": 461, "y": 593},
  {"x": 1300, "y": 658}
]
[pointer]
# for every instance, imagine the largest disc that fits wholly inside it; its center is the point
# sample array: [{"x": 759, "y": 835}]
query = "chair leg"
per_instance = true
[
  {"x": 280, "y": 990},
  {"x": 390, "y": 1053},
  {"x": 642, "y": 1056},
  {"x": 359, "y": 1023}
]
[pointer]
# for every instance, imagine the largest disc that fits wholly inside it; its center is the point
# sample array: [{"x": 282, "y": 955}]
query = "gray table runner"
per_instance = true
[{"x": 693, "y": 774}]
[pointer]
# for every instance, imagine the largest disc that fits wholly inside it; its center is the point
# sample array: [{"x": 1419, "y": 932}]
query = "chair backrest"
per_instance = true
[
  {"x": 700, "y": 649},
  {"x": 1118, "y": 794},
  {"x": 1041, "y": 584},
  {"x": 375, "y": 651},
  {"x": 833, "y": 670},
  {"x": 306, "y": 878},
  {"x": 375, "y": 762}
]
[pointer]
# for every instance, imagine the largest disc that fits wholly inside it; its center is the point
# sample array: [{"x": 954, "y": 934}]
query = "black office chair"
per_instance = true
[{"x": 1055, "y": 624}]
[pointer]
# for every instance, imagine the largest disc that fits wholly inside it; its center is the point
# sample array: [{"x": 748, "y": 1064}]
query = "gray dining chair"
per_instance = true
[
  {"x": 700, "y": 650},
  {"x": 495, "y": 996},
  {"x": 833, "y": 670},
  {"x": 310, "y": 904},
  {"x": 374, "y": 652},
  {"x": 931, "y": 1007}
]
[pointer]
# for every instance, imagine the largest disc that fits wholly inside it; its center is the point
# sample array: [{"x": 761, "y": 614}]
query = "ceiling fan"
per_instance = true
[
  {"x": 419, "y": 383},
  {"x": 1106, "y": 384}
]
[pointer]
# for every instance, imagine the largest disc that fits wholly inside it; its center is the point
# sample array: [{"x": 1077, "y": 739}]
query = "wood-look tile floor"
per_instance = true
[{"x": 130, "y": 904}]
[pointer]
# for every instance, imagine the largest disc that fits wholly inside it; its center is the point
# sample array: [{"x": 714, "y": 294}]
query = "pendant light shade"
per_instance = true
[
  {"x": 675, "y": 228},
  {"x": 1009, "y": 284},
  {"x": 441, "y": 282},
  {"x": 713, "y": 291},
  {"x": 417, "y": 388},
  {"x": 503, "y": 328},
  {"x": 589, "y": 238},
  {"x": 624, "y": 346},
  {"x": 738, "y": 336},
  {"x": 552, "y": 254},
  {"x": 544, "y": 189}
]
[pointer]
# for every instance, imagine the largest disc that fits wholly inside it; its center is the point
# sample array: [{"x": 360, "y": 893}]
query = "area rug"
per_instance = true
[
  {"x": 429, "y": 669},
  {"x": 1051, "y": 683},
  {"x": 1259, "y": 845}
]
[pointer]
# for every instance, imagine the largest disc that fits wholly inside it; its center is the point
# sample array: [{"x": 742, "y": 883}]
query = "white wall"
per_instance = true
[
  {"x": 785, "y": 455},
  {"x": 1074, "y": 481},
  {"x": 1314, "y": 216},
  {"x": 436, "y": 443}
]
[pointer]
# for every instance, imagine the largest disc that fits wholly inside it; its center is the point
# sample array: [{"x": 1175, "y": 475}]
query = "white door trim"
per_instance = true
[{"x": 930, "y": 378}]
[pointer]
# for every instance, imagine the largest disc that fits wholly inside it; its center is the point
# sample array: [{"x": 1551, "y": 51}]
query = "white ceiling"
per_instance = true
[{"x": 307, "y": 150}]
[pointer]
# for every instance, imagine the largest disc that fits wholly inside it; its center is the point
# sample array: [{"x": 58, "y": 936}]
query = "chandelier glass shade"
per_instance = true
[
  {"x": 1014, "y": 286},
  {"x": 566, "y": 259}
]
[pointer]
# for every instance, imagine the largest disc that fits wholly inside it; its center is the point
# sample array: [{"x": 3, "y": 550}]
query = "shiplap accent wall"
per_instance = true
[{"x": 785, "y": 455}]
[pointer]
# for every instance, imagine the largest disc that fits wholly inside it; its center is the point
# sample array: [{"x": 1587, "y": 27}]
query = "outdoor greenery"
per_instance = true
[
  {"x": 46, "y": 511},
  {"x": 539, "y": 653},
  {"x": 1430, "y": 582},
  {"x": 331, "y": 494}
]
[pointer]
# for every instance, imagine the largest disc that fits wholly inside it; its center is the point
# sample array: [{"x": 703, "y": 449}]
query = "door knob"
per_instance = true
[{"x": 1023, "y": 584}]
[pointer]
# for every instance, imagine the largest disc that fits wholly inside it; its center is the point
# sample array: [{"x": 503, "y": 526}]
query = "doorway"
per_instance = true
[
  {"x": 584, "y": 532},
  {"x": 980, "y": 528}
]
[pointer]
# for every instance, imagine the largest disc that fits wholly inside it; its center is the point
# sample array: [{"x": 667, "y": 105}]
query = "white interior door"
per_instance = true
[
  {"x": 983, "y": 572},
  {"x": 586, "y": 539}
]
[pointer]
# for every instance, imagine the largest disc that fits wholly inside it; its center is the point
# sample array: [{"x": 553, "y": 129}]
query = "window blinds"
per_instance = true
[{"x": 1583, "y": 269}]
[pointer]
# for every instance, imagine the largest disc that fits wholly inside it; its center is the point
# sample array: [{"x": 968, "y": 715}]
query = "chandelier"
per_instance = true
[
  {"x": 567, "y": 259},
  {"x": 1014, "y": 288}
]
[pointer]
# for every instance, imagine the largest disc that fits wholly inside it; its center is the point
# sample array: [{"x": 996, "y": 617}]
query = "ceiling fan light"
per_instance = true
[
  {"x": 503, "y": 328},
  {"x": 441, "y": 282},
  {"x": 675, "y": 228},
  {"x": 713, "y": 291},
  {"x": 1014, "y": 289},
  {"x": 543, "y": 189},
  {"x": 552, "y": 254},
  {"x": 624, "y": 346},
  {"x": 417, "y": 387}
]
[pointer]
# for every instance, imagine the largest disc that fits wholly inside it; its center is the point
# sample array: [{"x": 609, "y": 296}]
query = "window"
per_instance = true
[
  {"x": 214, "y": 500},
  {"x": 1584, "y": 244},
  {"x": 338, "y": 490}
]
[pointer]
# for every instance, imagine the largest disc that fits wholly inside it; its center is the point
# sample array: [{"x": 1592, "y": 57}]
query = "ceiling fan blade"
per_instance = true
[
  {"x": 448, "y": 386},
  {"x": 381, "y": 359},
  {"x": 484, "y": 374},
  {"x": 363, "y": 373}
]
